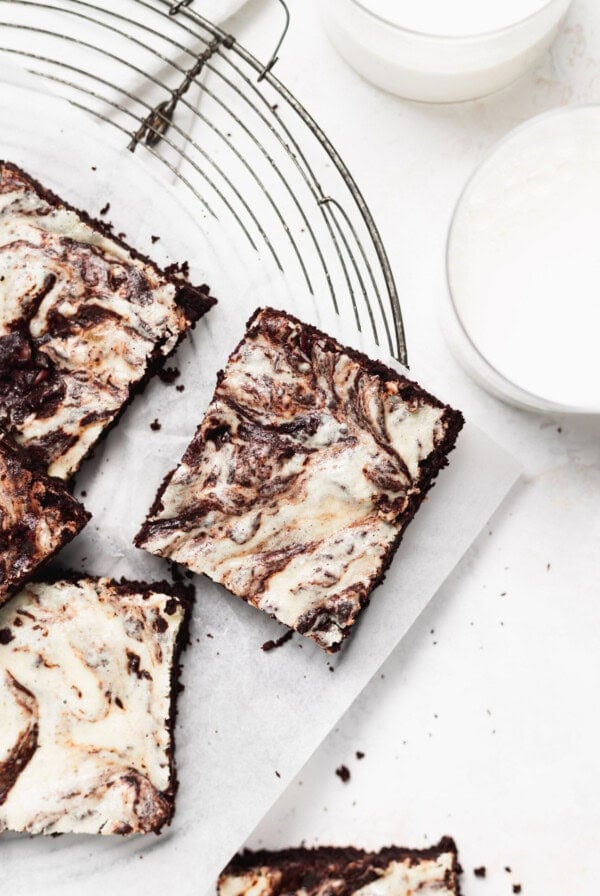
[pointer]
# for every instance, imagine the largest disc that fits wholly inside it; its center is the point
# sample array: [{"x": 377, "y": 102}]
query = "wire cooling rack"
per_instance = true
[{"x": 185, "y": 91}]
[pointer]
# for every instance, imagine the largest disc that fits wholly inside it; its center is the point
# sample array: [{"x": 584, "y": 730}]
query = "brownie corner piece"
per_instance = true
[
  {"x": 346, "y": 871},
  {"x": 38, "y": 517},
  {"x": 85, "y": 320},
  {"x": 297, "y": 488},
  {"x": 88, "y": 685}
]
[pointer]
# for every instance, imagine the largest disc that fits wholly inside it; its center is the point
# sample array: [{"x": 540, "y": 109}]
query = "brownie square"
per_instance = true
[
  {"x": 38, "y": 516},
  {"x": 301, "y": 479},
  {"x": 88, "y": 683},
  {"x": 84, "y": 321},
  {"x": 393, "y": 871}
]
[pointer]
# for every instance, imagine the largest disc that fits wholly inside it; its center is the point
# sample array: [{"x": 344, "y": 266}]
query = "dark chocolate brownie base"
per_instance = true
[
  {"x": 38, "y": 517},
  {"x": 307, "y": 871},
  {"x": 156, "y": 807},
  {"x": 29, "y": 382},
  {"x": 303, "y": 395}
]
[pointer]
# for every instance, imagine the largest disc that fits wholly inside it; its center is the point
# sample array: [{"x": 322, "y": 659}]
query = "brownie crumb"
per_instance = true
[
  {"x": 94, "y": 168},
  {"x": 6, "y": 636},
  {"x": 83, "y": 493},
  {"x": 507, "y": 869},
  {"x": 169, "y": 374},
  {"x": 360, "y": 754},
  {"x": 155, "y": 425},
  {"x": 176, "y": 268},
  {"x": 480, "y": 872},
  {"x": 271, "y": 645},
  {"x": 517, "y": 888},
  {"x": 180, "y": 387},
  {"x": 277, "y": 773},
  {"x": 208, "y": 635},
  {"x": 154, "y": 239},
  {"x": 104, "y": 209},
  {"x": 343, "y": 773}
]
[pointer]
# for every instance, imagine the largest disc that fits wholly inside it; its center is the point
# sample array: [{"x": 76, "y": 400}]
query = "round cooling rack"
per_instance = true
[{"x": 184, "y": 92}]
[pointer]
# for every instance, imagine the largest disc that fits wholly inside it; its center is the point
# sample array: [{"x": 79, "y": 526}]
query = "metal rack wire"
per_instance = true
[{"x": 186, "y": 92}]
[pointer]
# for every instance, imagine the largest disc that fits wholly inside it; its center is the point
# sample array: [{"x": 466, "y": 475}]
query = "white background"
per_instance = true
[{"x": 485, "y": 725}]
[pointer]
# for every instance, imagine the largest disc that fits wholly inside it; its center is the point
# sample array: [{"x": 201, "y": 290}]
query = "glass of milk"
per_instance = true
[
  {"x": 523, "y": 263},
  {"x": 442, "y": 51}
]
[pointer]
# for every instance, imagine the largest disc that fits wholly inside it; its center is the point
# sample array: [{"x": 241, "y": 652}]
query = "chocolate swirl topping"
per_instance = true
[
  {"x": 38, "y": 516},
  {"x": 87, "y": 702},
  {"x": 300, "y": 481},
  {"x": 84, "y": 320},
  {"x": 26, "y": 741},
  {"x": 344, "y": 871}
]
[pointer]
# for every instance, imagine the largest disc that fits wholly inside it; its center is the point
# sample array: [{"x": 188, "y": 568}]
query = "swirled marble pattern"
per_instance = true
[
  {"x": 339, "y": 871},
  {"x": 88, "y": 674},
  {"x": 38, "y": 516},
  {"x": 296, "y": 489},
  {"x": 84, "y": 319}
]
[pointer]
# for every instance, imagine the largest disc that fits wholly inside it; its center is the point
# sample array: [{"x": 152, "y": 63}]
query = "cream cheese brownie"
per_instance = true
[
  {"x": 301, "y": 479},
  {"x": 88, "y": 683},
  {"x": 339, "y": 871},
  {"x": 84, "y": 321},
  {"x": 38, "y": 516}
]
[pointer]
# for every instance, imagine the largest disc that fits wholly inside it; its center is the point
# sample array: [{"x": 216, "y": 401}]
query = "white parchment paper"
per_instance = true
[{"x": 248, "y": 720}]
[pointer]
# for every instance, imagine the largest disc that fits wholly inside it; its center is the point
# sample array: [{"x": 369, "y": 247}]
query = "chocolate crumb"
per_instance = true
[
  {"x": 360, "y": 754},
  {"x": 271, "y": 645},
  {"x": 507, "y": 869},
  {"x": 6, "y": 636},
  {"x": 208, "y": 635},
  {"x": 83, "y": 493},
  {"x": 155, "y": 425},
  {"x": 343, "y": 773},
  {"x": 277, "y": 773},
  {"x": 517, "y": 888},
  {"x": 180, "y": 387},
  {"x": 104, "y": 209},
  {"x": 154, "y": 239},
  {"x": 169, "y": 374},
  {"x": 480, "y": 872},
  {"x": 93, "y": 167},
  {"x": 175, "y": 268}
]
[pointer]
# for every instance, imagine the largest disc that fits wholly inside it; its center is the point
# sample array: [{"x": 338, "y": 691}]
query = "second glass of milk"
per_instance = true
[
  {"x": 523, "y": 265},
  {"x": 442, "y": 50}
]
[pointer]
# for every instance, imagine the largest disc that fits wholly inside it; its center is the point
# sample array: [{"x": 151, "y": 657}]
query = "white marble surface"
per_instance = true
[{"x": 484, "y": 723}]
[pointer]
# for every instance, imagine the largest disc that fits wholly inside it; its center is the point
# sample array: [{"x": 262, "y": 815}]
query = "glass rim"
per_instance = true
[
  {"x": 493, "y": 32},
  {"x": 509, "y": 386}
]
